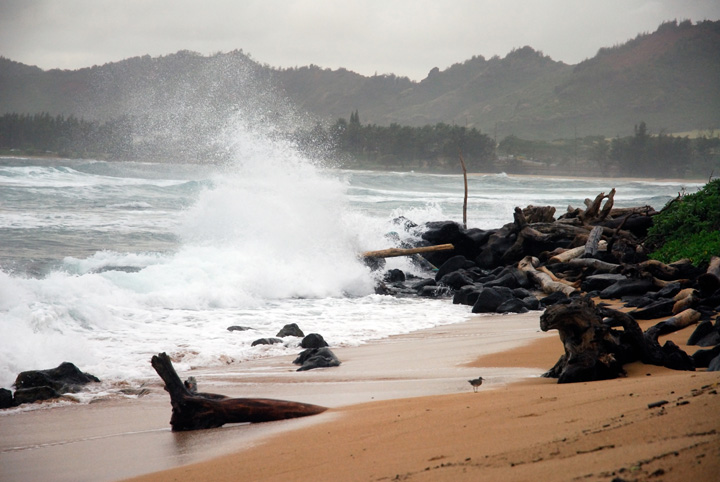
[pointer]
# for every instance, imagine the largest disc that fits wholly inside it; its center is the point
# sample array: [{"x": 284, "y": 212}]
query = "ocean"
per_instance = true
[{"x": 104, "y": 264}]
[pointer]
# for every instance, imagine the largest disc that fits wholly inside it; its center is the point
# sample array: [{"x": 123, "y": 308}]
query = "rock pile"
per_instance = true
[{"x": 538, "y": 261}]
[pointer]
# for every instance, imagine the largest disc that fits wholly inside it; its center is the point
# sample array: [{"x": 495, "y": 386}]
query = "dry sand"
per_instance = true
[{"x": 401, "y": 409}]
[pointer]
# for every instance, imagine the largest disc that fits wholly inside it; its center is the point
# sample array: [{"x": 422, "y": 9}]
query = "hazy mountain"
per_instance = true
[{"x": 669, "y": 78}]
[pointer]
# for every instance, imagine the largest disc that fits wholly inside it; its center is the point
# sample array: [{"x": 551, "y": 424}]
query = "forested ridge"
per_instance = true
[
  {"x": 352, "y": 144},
  {"x": 648, "y": 107}
]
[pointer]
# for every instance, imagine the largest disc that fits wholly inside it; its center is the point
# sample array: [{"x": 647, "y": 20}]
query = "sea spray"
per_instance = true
[
  {"x": 278, "y": 224},
  {"x": 268, "y": 239}
]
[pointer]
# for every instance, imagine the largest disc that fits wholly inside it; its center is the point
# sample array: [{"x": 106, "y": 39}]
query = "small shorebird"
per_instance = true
[{"x": 476, "y": 382}]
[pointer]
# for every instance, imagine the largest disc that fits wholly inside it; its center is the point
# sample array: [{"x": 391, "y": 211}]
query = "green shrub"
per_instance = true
[
  {"x": 688, "y": 227},
  {"x": 698, "y": 248}
]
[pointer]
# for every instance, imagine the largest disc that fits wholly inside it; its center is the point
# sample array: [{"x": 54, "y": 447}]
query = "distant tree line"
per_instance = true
[
  {"x": 432, "y": 147},
  {"x": 663, "y": 155},
  {"x": 639, "y": 155},
  {"x": 64, "y": 136}
]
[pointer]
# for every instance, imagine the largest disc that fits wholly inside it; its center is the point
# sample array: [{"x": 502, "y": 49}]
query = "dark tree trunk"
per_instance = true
[
  {"x": 595, "y": 351},
  {"x": 193, "y": 411}
]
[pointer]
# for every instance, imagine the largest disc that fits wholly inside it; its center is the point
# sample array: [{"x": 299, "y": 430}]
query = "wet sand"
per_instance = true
[
  {"x": 401, "y": 409},
  {"x": 117, "y": 439},
  {"x": 531, "y": 430}
]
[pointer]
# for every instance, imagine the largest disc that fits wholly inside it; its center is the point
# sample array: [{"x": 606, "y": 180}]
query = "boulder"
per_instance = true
[
  {"x": 418, "y": 286},
  {"x": 627, "y": 287},
  {"x": 291, "y": 329},
  {"x": 374, "y": 263},
  {"x": 513, "y": 305},
  {"x": 6, "y": 398},
  {"x": 511, "y": 277},
  {"x": 454, "y": 264},
  {"x": 705, "y": 329},
  {"x": 394, "y": 276},
  {"x": 238, "y": 328},
  {"x": 521, "y": 293},
  {"x": 553, "y": 298},
  {"x": 448, "y": 232},
  {"x": 638, "y": 301},
  {"x": 66, "y": 377},
  {"x": 35, "y": 394},
  {"x": 467, "y": 295},
  {"x": 433, "y": 292},
  {"x": 658, "y": 309},
  {"x": 316, "y": 358},
  {"x": 675, "y": 358},
  {"x": 488, "y": 301},
  {"x": 313, "y": 340},
  {"x": 702, "y": 358},
  {"x": 456, "y": 280},
  {"x": 714, "y": 365},
  {"x": 532, "y": 303},
  {"x": 669, "y": 290},
  {"x": 266, "y": 341},
  {"x": 497, "y": 245},
  {"x": 601, "y": 281}
]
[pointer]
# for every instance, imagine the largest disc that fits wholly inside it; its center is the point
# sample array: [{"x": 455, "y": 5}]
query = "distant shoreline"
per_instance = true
[{"x": 697, "y": 180}]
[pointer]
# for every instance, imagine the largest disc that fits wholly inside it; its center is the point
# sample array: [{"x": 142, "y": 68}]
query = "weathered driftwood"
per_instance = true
[
  {"x": 539, "y": 214},
  {"x": 546, "y": 283},
  {"x": 595, "y": 351},
  {"x": 526, "y": 238},
  {"x": 714, "y": 266},
  {"x": 566, "y": 256},
  {"x": 669, "y": 355},
  {"x": 607, "y": 208},
  {"x": 552, "y": 276},
  {"x": 598, "y": 265},
  {"x": 194, "y": 411},
  {"x": 592, "y": 213},
  {"x": 659, "y": 269},
  {"x": 591, "y": 246},
  {"x": 709, "y": 282},
  {"x": 394, "y": 252},
  {"x": 686, "y": 302},
  {"x": 684, "y": 293}
]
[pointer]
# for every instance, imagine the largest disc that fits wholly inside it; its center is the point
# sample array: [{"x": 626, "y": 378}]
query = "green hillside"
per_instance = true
[{"x": 669, "y": 78}]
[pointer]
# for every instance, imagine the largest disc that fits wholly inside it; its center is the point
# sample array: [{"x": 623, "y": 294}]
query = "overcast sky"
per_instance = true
[{"x": 403, "y": 37}]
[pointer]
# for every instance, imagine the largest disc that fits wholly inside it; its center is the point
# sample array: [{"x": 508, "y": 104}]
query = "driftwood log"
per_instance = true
[
  {"x": 596, "y": 351},
  {"x": 710, "y": 280},
  {"x": 395, "y": 252},
  {"x": 194, "y": 411},
  {"x": 545, "y": 281}
]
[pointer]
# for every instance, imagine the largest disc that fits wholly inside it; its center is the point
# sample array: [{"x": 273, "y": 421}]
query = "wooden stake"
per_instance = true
[{"x": 462, "y": 163}]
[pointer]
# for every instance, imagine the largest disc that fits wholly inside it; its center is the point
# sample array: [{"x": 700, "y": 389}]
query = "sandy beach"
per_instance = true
[{"x": 400, "y": 409}]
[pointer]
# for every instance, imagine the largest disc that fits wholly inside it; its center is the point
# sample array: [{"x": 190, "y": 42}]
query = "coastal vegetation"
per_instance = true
[{"x": 688, "y": 227}]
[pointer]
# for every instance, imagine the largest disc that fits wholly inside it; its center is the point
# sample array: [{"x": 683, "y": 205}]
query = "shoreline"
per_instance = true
[
  {"x": 558, "y": 175},
  {"x": 126, "y": 438},
  {"x": 533, "y": 429},
  {"x": 399, "y": 407}
]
